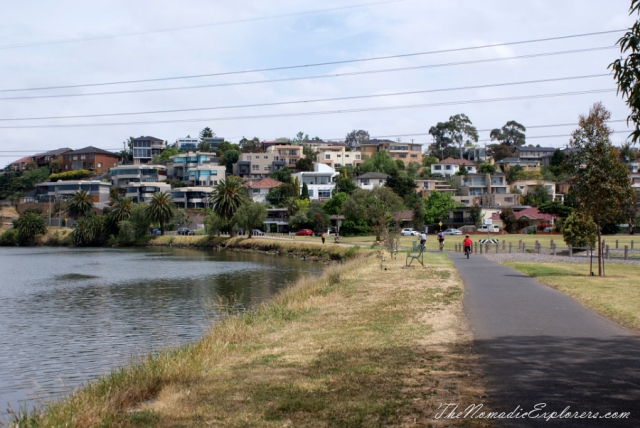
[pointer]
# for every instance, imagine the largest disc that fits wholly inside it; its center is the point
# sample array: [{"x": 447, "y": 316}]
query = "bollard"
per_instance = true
[
  {"x": 607, "y": 251},
  {"x": 570, "y": 250},
  {"x": 509, "y": 247},
  {"x": 588, "y": 248},
  {"x": 486, "y": 247},
  {"x": 475, "y": 248},
  {"x": 480, "y": 248},
  {"x": 524, "y": 250},
  {"x": 553, "y": 249},
  {"x": 519, "y": 244},
  {"x": 616, "y": 243},
  {"x": 626, "y": 252},
  {"x": 551, "y": 243},
  {"x": 632, "y": 244},
  {"x": 498, "y": 248},
  {"x": 503, "y": 244},
  {"x": 539, "y": 246}
]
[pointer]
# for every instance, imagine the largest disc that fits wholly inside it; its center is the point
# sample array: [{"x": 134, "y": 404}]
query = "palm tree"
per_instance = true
[
  {"x": 121, "y": 209},
  {"x": 227, "y": 197},
  {"x": 161, "y": 208},
  {"x": 80, "y": 204}
]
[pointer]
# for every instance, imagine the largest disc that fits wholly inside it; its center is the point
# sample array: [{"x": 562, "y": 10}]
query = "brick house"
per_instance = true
[{"x": 89, "y": 158}]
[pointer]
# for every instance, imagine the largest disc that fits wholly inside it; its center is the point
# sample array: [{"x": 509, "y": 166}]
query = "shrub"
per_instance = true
[
  {"x": 579, "y": 230},
  {"x": 126, "y": 233},
  {"x": 29, "y": 226},
  {"x": 70, "y": 175},
  {"x": 9, "y": 238},
  {"x": 89, "y": 231}
]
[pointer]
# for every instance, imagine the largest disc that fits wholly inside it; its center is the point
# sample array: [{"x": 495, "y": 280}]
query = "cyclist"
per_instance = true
[
  {"x": 467, "y": 245},
  {"x": 423, "y": 240},
  {"x": 441, "y": 239}
]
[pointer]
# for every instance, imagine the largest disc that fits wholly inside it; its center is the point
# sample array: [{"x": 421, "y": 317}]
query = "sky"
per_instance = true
[{"x": 71, "y": 42}]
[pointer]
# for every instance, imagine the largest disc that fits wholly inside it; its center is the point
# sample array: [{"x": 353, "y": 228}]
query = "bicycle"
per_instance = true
[
  {"x": 467, "y": 251},
  {"x": 442, "y": 245}
]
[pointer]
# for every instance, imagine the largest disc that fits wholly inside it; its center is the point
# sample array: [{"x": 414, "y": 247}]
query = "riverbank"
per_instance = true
[{"x": 359, "y": 346}]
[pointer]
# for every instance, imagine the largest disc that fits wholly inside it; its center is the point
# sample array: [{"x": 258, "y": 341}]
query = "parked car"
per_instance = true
[
  {"x": 452, "y": 232},
  {"x": 409, "y": 232},
  {"x": 185, "y": 231},
  {"x": 304, "y": 232},
  {"x": 155, "y": 232},
  {"x": 257, "y": 232},
  {"x": 548, "y": 229}
]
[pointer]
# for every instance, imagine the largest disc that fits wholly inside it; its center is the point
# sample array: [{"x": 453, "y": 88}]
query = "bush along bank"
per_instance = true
[{"x": 359, "y": 346}]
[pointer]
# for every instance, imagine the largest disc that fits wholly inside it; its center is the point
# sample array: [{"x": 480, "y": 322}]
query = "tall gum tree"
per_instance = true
[{"x": 600, "y": 182}]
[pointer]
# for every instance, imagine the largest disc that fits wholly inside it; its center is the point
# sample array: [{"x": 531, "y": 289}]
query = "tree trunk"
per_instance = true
[
  {"x": 161, "y": 228},
  {"x": 599, "y": 252}
]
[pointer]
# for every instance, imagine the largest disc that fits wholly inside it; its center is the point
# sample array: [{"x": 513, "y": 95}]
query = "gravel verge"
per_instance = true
[{"x": 544, "y": 258}]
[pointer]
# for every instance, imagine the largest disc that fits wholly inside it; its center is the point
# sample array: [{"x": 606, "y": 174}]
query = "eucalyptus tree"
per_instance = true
[
  {"x": 161, "y": 209},
  {"x": 512, "y": 135}
]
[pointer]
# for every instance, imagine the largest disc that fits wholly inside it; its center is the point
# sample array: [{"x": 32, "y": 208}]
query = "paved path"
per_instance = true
[{"x": 537, "y": 345}]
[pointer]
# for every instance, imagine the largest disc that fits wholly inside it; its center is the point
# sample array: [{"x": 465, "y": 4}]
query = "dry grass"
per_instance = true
[
  {"x": 615, "y": 296},
  {"x": 358, "y": 347}
]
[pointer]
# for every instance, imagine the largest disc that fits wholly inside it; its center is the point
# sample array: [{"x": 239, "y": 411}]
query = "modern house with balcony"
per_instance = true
[
  {"x": 277, "y": 220},
  {"x": 205, "y": 175},
  {"x": 146, "y": 148},
  {"x": 526, "y": 186},
  {"x": 526, "y": 165},
  {"x": 484, "y": 190},
  {"x": 182, "y": 163},
  {"x": 450, "y": 166},
  {"x": 370, "y": 180},
  {"x": 425, "y": 187},
  {"x": 142, "y": 192},
  {"x": 535, "y": 154},
  {"x": 43, "y": 159},
  {"x": 187, "y": 144},
  {"x": 63, "y": 190},
  {"x": 287, "y": 154},
  {"x": 320, "y": 181},
  {"x": 122, "y": 175},
  {"x": 256, "y": 166},
  {"x": 89, "y": 158},
  {"x": 258, "y": 190},
  {"x": 406, "y": 152},
  {"x": 191, "y": 197},
  {"x": 337, "y": 156}
]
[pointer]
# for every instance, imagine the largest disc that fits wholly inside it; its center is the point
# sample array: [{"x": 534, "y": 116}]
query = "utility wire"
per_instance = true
[
  {"x": 316, "y": 113},
  {"x": 192, "y": 27},
  {"x": 289, "y": 79},
  {"x": 526, "y": 82},
  {"x": 291, "y": 67}
]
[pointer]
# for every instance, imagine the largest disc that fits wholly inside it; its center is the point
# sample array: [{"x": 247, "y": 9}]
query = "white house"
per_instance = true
[
  {"x": 369, "y": 180},
  {"x": 450, "y": 166},
  {"x": 320, "y": 181},
  {"x": 526, "y": 186},
  {"x": 258, "y": 190}
]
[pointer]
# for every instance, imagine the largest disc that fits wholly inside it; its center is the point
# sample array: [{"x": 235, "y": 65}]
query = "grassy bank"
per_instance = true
[
  {"x": 615, "y": 296},
  {"x": 357, "y": 347}
]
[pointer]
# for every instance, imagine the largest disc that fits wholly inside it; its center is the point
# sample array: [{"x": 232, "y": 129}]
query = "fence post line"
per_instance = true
[
  {"x": 509, "y": 247},
  {"x": 480, "y": 248},
  {"x": 553, "y": 249},
  {"x": 475, "y": 248},
  {"x": 570, "y": 250},
  {"x": 607, "y": 249},
  {"x": 632, "y": 244},
  {"x": 626, "y": 252},
  {"x": 524, "y": 250},
  {"x": 498, "y": 247},
  {"x": 588, "y": 248},
  {"x": 539, "y": 247},
  {"x": 503, "y": 244},
  {"x": 616, "y": 243}
]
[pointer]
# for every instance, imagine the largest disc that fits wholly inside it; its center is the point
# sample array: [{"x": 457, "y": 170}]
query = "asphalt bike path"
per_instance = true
[{"x": 539, "y": 346}]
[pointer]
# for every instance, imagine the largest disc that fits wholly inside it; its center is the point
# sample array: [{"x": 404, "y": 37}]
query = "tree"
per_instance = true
[
  {"x": 462, "y": 170},
  {"x": 555, "y": 208},
  {"x": 355, "y": 138},
  {"x": 601, "y": 183},
  {"x": 429, "y": 160},
  {"x": 441, "y": 139},
  {"x": 138, "y": 218},
  {"x": 310, "y": 153},
  {"x": 344, "y": 185},
  {"x": 437, "y": 207},
  {"x": 371, "y": 208},
  {"x": 499, "y": 151},
  {"x": 305, "y": 191},
  {"x": 29, "y": 225},
  {"x": 230, "y": 158},
  {"x": 629, "y": 213},
  {"x": 250, "y": 215},
  {"x": 88, "y": 231},
  {"x": 475, "y": 215},
  {"x": 334, "y": 205},
  {"x": 228, "y": 196},
  {"x": 250, "y": 146},
  {"x": 304, "y": 164},
  {"x": 282, "y": 175},
  {"x": 161, "y": 209},
  {"x": 206, "y": 133},
  {"x": 401, "y": 185},
  {"x": 508, "y": 219},
  {"x": 80, "y": 204},
  {"x": 55, "y": 166},
  {"x": 462, "y": 131},
  {"x": 214, "y": 224},
  {"x": 626, "y": 71},
  {"x": 300, "y": 138},
  {"x": 121, "y": 210},
  {"x": 379, "y": 162},
  {"x": 166, "y": 154},
  {"x": 515, "y": 173},
  {"x": 204, "y": 146},
  {"x": 317, "y": 218},
  {"x": 511, "y": 135},
  {"x": 579, "y": 230},
  {"x": 538, "y": 195},
  {"x": 487, "y": 168}
]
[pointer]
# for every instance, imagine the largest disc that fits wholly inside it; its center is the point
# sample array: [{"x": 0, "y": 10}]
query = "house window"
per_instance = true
[
  {"x": 357, "y": 156},
  {"x": 437, "y": 167},
  {"x": 346, "y": 156},
  {"x": 365, "y": 181},
  {"x": 324, "y": 193},
  {"x": 99, "y": 164},
  {"x": 267, "y": 168},
  {"x": 266, "y": 157},
  {"x": 256, "y": 190},
  {"x": 327, "y": 156},
  {"x": 339, "y": 156},
  {"x": 447, "y": 167},
  {"x": 255, "y": 167},
  {"x": 414, "y": 155},
  {"x": 337, "y": 165},
  {"x": 82, "y": 157},
  {"x": 75, "y": 157},
  {"x": 248, "y": 158}
]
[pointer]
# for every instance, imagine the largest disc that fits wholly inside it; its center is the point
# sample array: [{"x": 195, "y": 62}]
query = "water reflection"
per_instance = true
[{"x": 70, "y": 314}]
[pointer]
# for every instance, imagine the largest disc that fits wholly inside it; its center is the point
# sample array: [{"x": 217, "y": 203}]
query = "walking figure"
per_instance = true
[{"x": 322, "y": 237}]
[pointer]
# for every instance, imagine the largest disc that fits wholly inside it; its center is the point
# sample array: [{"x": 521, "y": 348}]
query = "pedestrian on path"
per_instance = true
[{"x": 323, "y": 237}]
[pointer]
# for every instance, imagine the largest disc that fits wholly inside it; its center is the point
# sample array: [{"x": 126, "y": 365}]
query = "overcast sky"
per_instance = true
[{"x": 373, "y": 30}]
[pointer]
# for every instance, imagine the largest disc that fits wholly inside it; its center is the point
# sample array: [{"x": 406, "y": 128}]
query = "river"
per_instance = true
[{"x": 68, "y": 315}]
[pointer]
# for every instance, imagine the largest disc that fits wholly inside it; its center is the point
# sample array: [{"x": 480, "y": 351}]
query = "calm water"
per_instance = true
[{"x": 68, "y": 315}]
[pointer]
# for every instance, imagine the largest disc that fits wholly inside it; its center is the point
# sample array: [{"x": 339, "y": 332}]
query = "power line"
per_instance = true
[
  {"x": 526, "y": 82},
  {"x": 192, "y": 27},
  {"x": 316, "y": 113},
  {"x": 291, "y": 67},
  {"x": 289, "y": 79}
]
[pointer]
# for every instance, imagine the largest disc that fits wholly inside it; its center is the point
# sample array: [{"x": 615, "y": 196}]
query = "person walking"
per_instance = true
[
  {"x": 441, "y": 239},
  {"x": 323, "y": 236},
  {"x": 423, "y": 240}
]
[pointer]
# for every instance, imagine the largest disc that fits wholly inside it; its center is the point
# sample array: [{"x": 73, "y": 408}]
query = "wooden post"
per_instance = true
[
  {"x": 539, "y": 246},
  {"x": 632, "y": 244},
  {"x": 497, "y": 247},
  {"x": 486, "y": 247},
  {"x": 553, "y": 249},
  {"x": 480, "y": 248},
  {"x": 475, "y": 248},
  {"x": 509, "y": 247},
  {"x": 503, "y": 244},
  {"x": 626, "y": 252},
  {"x": 524, "y": 249},
  {"x": 616, "y": 243},
  {"x": 607, "y": 250},
  {"x": 588, "y": 248},
  {"x": 570, "y": 250}
]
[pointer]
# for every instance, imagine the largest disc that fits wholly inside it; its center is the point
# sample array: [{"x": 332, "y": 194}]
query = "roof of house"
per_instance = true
[
  {"x": 453, "y": 161},
  {"x": 405, "y": 215},
  {"x": 148, "y": 137},
  {"x": 369, "y": 175},
  {"x": 540, "y": 149},
  {"x": 375, "y": 141},
  {"x": 22, "y": 160},
  {"x": 91, "y": 149},
  {"x": 54, "y": 152},
  {"x": 528, "y": 213},
  {"x": 265, "y": 183}
]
